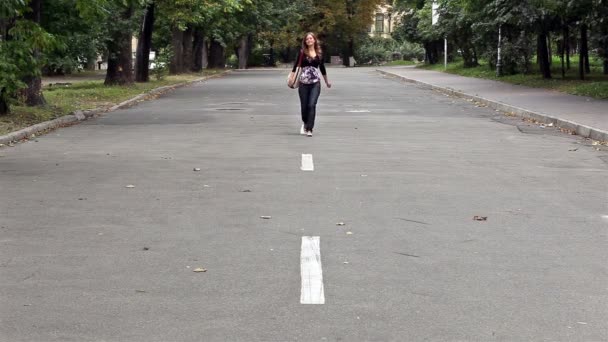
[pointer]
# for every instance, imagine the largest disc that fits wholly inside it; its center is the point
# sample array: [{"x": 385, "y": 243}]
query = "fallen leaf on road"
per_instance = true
[
  {"x": 196, "y": 169},
  {"x": 574, "y": 149},
  {"x": 140, "y": 291},
  {"x": 199, "y": 270},
  {"x": 349, "y": 233},
  {"x": 340, "y": 224},
  {"x": 146, "y": 248},
  {"x": 246, "y": 190},
  {"x": 266, "y": 217},
  {"x": 346, "y": 262},
  {"x": 130, "y": 186},
  {"x": 480, "y": 218}
]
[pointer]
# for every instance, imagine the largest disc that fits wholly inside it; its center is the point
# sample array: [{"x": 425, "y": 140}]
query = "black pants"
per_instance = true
[{"x": 309, "y": 94}]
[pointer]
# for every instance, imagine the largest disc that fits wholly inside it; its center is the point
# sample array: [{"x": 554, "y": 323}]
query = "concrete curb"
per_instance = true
[
  {"x": 579, "y": 129},
  {"x": 80, "y": 115}
]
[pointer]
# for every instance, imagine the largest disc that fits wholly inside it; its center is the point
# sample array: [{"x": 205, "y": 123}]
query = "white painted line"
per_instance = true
[
  {"x": 307, "y": 164},
  {"x": 358, "y": 111},
  {"x": 311, "y": 271}
]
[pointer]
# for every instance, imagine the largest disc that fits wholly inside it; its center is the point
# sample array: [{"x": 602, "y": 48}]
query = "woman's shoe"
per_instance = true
[
  {"x": 302, "y": 130},
  {"x": 309, "y": 133}
]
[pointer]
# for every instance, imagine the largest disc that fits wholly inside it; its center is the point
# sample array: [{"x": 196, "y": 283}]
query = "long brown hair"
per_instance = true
[{"x": 317, "y": 45}]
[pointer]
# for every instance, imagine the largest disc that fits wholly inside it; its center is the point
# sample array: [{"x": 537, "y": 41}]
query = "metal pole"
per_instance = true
[
  {"x": 445, "y": 53},
  {"x": 499, "y": 60}
]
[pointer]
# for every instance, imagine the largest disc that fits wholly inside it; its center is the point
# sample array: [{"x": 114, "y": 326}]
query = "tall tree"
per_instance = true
[
  {"x": 341, "y": 24},
  {"x": 121, "y": 22},
  {"x": 583, "y": 63},
  {"x": 186, "y": 17},
  {"x": 144, "y": 45},
  {"x": 21, "y": 42},
  {"x": 199, "y": 49},
  {"x": 79, "y": 41},
  {"x": 120, "y": 60},
  {"x": 33, "y": 93}
]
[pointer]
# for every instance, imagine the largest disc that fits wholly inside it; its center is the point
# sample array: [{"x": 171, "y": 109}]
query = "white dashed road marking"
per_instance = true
[
  {"x": 307, "y": 164},
  {"x": 311, "y": 271}
]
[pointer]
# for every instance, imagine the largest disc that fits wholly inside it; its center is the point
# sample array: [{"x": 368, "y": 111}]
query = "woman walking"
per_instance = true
[{"x": 310, "y": 80}]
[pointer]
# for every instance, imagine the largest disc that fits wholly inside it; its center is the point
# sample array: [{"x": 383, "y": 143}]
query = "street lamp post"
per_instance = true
[
  {"x": 445, "y": 53},
  {"x": 499, "y": 59}
]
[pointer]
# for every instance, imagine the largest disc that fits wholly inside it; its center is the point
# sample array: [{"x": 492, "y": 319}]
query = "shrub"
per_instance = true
[
  {"x": 161, "y": 63},
  {"x": 377, "y": 50}
]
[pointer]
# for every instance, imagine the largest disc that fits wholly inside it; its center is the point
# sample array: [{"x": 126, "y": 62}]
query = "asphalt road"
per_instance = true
[{"x": 84, "y": 258}]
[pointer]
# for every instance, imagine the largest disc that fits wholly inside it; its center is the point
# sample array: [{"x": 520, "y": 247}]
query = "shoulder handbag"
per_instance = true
[{"x": 293, "y": 81}]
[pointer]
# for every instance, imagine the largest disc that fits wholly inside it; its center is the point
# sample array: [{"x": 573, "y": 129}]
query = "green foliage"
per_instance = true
[
  {"x": 376, "y": 50},
  {"x": 471, "y": 27},
  {"x": 80, "y": 40},
  {"x": 18, "y": 58},
  {"x": 11, "y": 8},
  {"x": 161, "y": 63},
  {"x": 257, "y": 56},
  {"x": 596, "y": 86}
]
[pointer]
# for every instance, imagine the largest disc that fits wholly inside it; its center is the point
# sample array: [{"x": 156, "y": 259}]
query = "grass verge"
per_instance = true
[
  {"x": 83, "y": 95},
  {"x": 400, "y": 62},
  {"x": 595, "y": 84}
]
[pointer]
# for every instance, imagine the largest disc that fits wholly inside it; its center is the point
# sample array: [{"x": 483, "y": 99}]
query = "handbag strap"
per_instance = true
[{"x": 300, "y": 59}]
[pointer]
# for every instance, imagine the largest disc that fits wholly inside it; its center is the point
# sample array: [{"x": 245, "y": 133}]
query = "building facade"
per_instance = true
[{"x": 383, "y": 22}]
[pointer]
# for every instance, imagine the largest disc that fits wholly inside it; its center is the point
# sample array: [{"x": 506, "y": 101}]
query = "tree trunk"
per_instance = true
[
  {"x": 587, "y": 65},
  {"x": 242, "y": 52},
  {"x": 562, "y": 51},
  {"x": 144, "y": 44},
  {"x": 4, "y": 108},
  {"x": 562, "y": 59},
  {"x": 33, "y": 92},
  {"x": 604, "y": 43},
  {"x": 91, "y": 64},
  {"x": 120, "y": 62},
  {"x": 549, "y": 50},
  {"x": 468, "y": 54},
  {"x": 205, "y": 54},
  {"x": 188, "y": 59},
  {"x": 567, "y": 45},
  {"x": 217, "y": 59},
  {"x": 348, "y": 52},
  {"x": 543, "y": 55},
  {"x": 199, "y": 44},
  {"x": 583, "y": 52},
  {"x": 436, "y": 46},
  {"x": 177, "y": 36},
  {"x": 271, "y": 59},
  {"x": 606, "y": 53}
]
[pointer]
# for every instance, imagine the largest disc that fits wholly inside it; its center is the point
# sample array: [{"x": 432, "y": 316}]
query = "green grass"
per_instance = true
[
  {"x": 62, "y": 100},
  {"x": 595, "y": 84},
  {"x": 401, "y": 62}
]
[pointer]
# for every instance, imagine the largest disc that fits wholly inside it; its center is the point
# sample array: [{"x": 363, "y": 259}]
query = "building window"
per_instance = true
[{"x": 379, "y": 22}]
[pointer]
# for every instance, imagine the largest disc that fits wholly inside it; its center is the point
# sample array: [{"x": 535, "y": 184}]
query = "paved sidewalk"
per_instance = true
[{"x": 586, "y": 116}]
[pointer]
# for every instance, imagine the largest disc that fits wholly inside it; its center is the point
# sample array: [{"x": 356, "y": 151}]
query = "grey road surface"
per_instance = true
[{"x": 85, "y": 258}]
